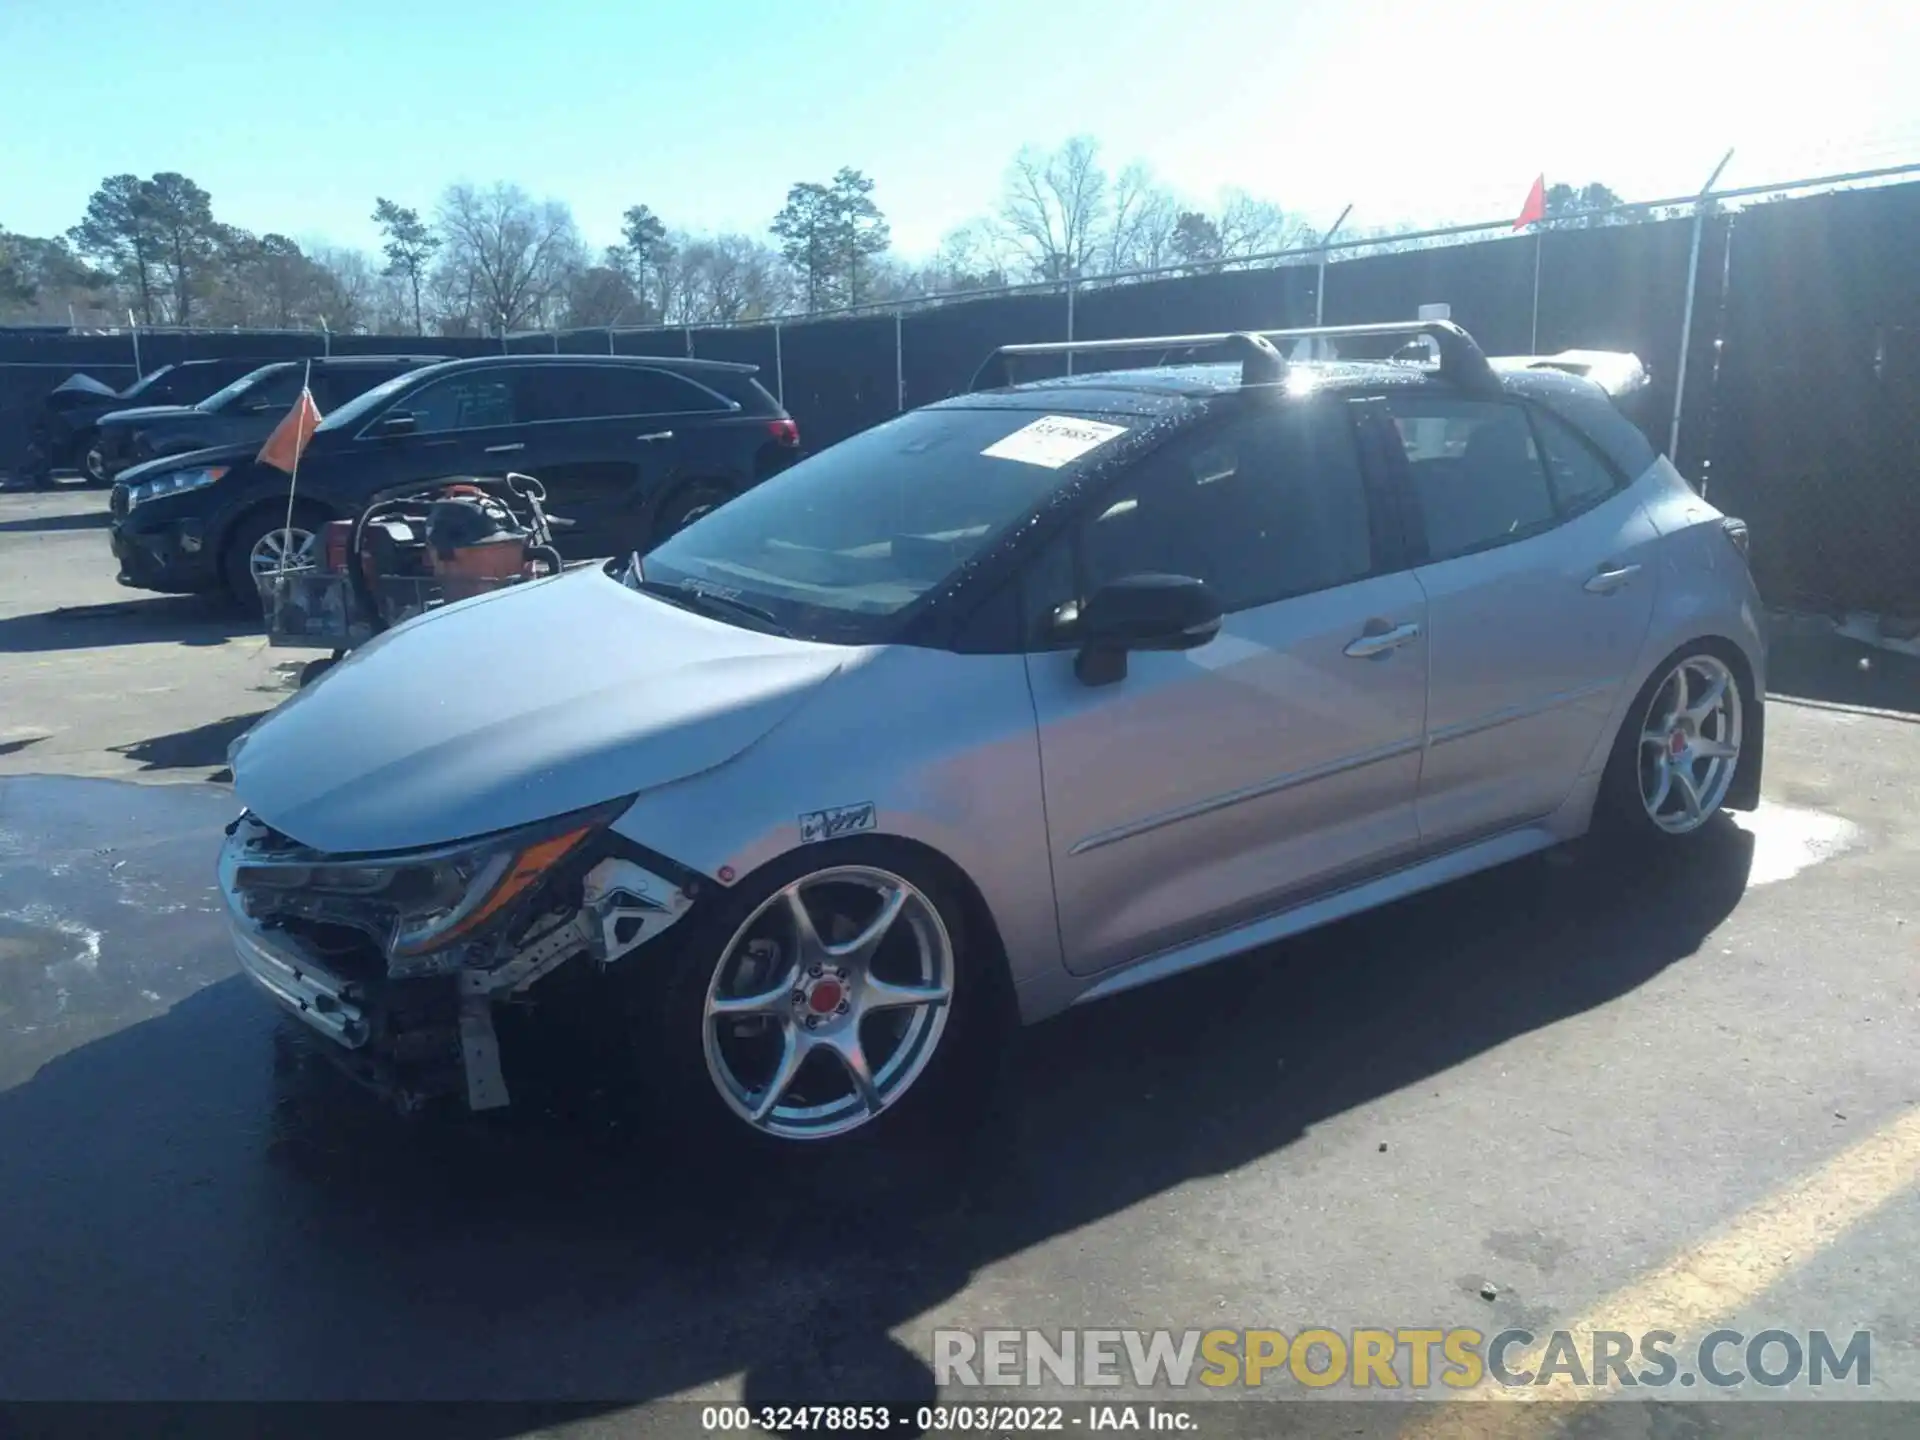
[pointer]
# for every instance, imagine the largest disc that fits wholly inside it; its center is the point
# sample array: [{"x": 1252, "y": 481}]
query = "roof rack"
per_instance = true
[{"x": 1462, "y": 362}]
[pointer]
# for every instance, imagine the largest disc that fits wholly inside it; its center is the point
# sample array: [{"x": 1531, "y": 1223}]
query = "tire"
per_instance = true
[
  {"x": 688, "y": 504},
  {"x": 702, "y": 1075},
  {"x": 249, "y": 535},
  {"x": 1658, "y": 740}
]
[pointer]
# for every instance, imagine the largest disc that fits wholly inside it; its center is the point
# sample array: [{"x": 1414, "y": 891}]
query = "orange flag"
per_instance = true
[
  {"x": 1536, "y": 207},
  {"x": 289, "y": 439}
]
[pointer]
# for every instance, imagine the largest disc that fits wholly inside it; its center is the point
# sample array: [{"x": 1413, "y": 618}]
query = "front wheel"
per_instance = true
[
  {"x": 831, "y": 1000},
  {"x": 262, "y": 544},
  {"x": 1678, "y": 749}
]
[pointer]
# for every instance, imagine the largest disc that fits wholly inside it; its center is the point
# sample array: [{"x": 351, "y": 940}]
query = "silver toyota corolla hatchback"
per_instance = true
[{"x": 1016, "y": 701}]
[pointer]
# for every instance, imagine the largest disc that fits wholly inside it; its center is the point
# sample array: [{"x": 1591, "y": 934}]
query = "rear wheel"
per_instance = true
[
  {"x": 1677, "y": 752},
  {"x": 687, "y": 504},
  {"x": 263, "y": 542}
]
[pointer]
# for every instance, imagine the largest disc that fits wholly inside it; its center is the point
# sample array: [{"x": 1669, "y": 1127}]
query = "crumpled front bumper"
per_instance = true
[
  {"x": 414, "y": 1035},
  {"x": 331, "y": 1004}
]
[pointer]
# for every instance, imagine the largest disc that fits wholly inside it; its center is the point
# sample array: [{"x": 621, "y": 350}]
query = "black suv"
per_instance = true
[
  {"x": 629, "y": 450},
  {"x": 61, "y": 434},
  {"x": 246, "y": 410}
]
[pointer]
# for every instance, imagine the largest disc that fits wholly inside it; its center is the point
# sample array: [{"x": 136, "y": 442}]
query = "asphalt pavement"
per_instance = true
[{"x": 1564, "y": 1094}]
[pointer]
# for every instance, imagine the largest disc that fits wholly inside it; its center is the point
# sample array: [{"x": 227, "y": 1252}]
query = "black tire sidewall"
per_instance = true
[{"x": 664, "y": 1004}]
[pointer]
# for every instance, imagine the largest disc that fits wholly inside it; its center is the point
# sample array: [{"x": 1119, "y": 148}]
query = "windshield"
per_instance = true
[
  {"x": 226, "y": 395},
  {"x": 839, "y": 546},
  {"x": 144, "y": 383},
  {"x": 368, "y": 401}
]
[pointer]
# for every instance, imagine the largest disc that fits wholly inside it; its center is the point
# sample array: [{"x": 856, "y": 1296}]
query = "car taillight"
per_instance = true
[
  {"x": 1736, "y": 531},
  {"x": 784, "y": 432}
]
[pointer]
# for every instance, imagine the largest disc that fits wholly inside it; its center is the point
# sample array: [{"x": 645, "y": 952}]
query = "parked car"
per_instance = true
[
  {"x": 1014, "y": 702},
  {"x": 61, "y": 436},
  {"x": 244, "y": 412},
  {"x": 628, "y": 449}
]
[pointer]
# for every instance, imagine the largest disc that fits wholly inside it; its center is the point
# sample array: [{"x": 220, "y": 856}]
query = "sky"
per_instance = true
[{"x": 296, "y": 117}]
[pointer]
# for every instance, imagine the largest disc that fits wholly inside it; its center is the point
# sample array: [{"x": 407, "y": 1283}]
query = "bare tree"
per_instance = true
[
  {"x": 1055, "y": 206},
  {"x": 348, "y": 286},
  {"x": 1140, "y": 230},
  {"x": 514, "y": 254},
  {"x": 1249, "y": 226}
]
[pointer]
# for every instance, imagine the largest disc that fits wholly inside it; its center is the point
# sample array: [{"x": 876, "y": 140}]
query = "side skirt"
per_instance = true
[{"x": 1426, "y": 875}]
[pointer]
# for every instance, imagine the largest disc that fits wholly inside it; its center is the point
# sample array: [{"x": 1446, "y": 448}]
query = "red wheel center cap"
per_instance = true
[
  {"x": 825, "y": 996},
  {"x": 1676, "y": 743}
]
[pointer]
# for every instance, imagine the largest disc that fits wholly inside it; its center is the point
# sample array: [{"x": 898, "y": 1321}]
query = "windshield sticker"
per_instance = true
[
  {"x": 818, "y": 825},
  {"x": 1053, "y": 441}
]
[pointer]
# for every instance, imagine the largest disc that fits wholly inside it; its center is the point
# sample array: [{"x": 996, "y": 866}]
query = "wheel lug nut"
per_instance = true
[
  {"x": 799, "y": 997},
  {"x": 815, "y": 971},
  {"x": 842, "y": 1008},
  {"x": 839, "y": 973},
  {"x": 813, "y": 1022}
]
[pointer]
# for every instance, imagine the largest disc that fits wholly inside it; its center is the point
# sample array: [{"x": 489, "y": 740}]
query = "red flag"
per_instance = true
[
  {"x": 289, "y": 439},
  {"x": 1536, "y": 207}
]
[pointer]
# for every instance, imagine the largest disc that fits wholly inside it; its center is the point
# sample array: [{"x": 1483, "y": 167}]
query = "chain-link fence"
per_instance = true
[{"x": 1797, "y": 405}]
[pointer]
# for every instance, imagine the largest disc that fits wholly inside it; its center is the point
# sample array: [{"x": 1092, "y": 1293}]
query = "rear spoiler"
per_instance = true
[{"x": 1618, "y": 372}]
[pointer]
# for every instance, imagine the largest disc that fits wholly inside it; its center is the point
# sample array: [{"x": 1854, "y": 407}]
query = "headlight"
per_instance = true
[
  {"x": 173, "y": 482},
  {"x": 439, "y": 898}
]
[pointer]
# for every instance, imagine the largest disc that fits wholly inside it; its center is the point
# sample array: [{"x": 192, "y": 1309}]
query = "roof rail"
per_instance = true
[
  {"x": 1260, "y": 363},
  {"x": 1462, "y": 362}
]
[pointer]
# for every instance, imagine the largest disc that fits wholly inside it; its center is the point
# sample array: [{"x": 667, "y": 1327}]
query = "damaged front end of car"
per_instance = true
[{"x": 399, "y": 960}]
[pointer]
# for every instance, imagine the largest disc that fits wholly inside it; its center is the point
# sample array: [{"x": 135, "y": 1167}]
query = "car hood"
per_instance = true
[
  {"x": 144, "y": 414},
  {"x": 515, "y": 707}
]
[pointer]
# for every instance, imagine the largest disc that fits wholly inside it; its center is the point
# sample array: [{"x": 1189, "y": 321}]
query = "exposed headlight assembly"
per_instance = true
[
  {"x": 174, "y": 482},
  {"x": 429, "y": 902}
]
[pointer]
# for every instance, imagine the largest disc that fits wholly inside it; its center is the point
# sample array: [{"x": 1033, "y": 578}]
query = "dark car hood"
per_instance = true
[
  {"x": 142, "y": 414},
  {"x": 514, "y": 707},
  {"x": 85, "y": 385}
]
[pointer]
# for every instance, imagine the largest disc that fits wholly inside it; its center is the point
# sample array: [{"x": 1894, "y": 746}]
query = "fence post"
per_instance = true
[
  {"x": 899, "y": 364},
  {"x": 1686, "y": 312},
  {"x": 779, "y": 368},
  {"x": 1071, "y": 287},
  {"x": 1539, "y": 248},
  {"x": 688, "y": 332},
  {"x": 1320, "y": 284},
  {"x": 326, "y": 338},
  {"x": 610, "y": 339},
  {"x": 133, "y": 328}
]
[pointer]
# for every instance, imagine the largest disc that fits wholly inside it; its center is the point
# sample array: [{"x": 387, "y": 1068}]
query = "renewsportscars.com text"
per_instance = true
[{"x": 1394, "y": 1359}]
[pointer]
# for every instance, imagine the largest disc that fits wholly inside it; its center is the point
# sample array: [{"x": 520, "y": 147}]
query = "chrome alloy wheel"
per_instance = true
[
  {"x": 277, "y": 549},
  {"x": 828, "y": 1003},
  {"x": 97, "y": 466},
  {"x": 1690, "y": 744}
]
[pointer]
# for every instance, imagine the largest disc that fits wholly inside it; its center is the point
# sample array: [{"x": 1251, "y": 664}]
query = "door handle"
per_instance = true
[
  {"x": 504, "y": 449},
  {"x": 1376, "y": 643},
  {"x": 1610, "y": 578},
  {"x": 656, "y": 435}
]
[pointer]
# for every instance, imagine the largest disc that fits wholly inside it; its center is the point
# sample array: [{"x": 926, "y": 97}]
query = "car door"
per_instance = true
[
  {"x": 1212, "y": 785},
  {"x": 607, "y": 440},
  {"x": 1540, "y": 591}
]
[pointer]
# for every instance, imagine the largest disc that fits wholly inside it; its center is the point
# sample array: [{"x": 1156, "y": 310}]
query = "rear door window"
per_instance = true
[
  {"x": 1477, "y": 477},
  {"x": 473, "y": 401},
  {"x": 597, "y": 392}
]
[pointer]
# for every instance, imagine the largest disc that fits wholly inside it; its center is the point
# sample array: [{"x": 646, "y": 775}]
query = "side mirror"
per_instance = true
[
  {"x": 1142, "y": 612},
  {"x": 395, "y": 423}
]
